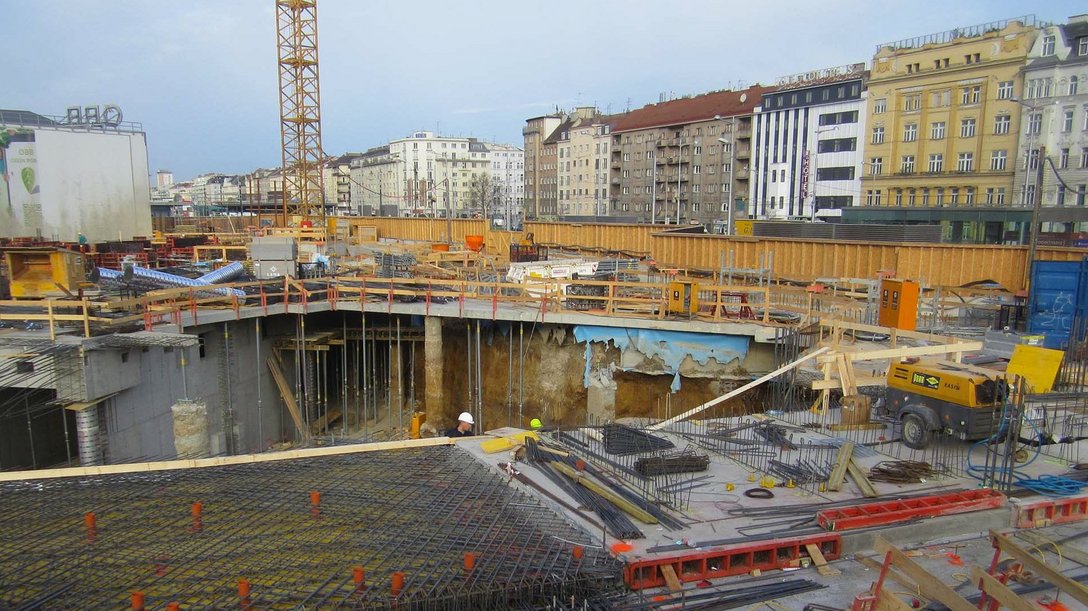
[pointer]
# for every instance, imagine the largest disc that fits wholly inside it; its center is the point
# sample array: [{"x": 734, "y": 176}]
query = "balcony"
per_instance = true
[
  {"x": 743, "y": 152},
  {"x": 668, "y": 142},
  {"x": 741, "y": 174},
  {"x": 671, "y": 178}
]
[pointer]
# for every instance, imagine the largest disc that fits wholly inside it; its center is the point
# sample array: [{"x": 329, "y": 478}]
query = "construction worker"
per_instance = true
[{"x": 464, "y": 426}]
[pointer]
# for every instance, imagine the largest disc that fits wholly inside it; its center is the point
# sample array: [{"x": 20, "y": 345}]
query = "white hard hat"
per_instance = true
[{"x": 466, "y": 417}]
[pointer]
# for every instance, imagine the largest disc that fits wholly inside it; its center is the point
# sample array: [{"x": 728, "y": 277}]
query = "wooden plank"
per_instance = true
[
  {"x": 928, "y": 584},
  {"x": 846, "y": 375},
  {"x": 895, "y": 353},
  {"x": 999, "y": 591},
  {"x": 1030, "y": 562},
  {"x": 1042, "y": 543},
  {"x": 729, "y": 395},
  {"x": 893, "y": 573},
  {"x": 858, "y": 381},
  {"x": 616, "y": 499},
  {"x": 842, "y": 461},
  {"x": 288, "y": 397},
  {"x": 200, "y": 463},
  {"x": 861, "y": 479},
  {"x": 670, "y": 577},
  {"x": 821, "y": 563},
  {"x": 888, "y": 601}
]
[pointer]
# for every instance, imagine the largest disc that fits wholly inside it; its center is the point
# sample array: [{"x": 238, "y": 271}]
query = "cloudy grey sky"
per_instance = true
[{"x": 201, "y": 75}]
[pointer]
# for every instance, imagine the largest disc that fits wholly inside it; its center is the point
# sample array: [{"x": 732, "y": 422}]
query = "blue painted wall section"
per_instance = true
[{"x": 670, "y": 346}]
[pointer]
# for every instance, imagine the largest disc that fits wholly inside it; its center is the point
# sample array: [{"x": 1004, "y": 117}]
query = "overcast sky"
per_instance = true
[{"x": 201, "y": 75}]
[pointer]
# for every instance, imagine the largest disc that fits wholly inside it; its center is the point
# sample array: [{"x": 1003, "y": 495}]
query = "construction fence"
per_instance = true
[{"x": 949, "y": 265}]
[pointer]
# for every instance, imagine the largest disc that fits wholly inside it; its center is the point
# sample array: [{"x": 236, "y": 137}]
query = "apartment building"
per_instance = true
[
  {"x": 1054, "y": 117},
  {"x": 582, "y": 164},
  {"x": 807, "y": 149},
  {"x": 943, "y": 119},
  {"x": 507, "y": 182},
  {"x": 427, "y": 175},
  {"x": 685, "y": 161},
  {"x": 540, "y": 178}
]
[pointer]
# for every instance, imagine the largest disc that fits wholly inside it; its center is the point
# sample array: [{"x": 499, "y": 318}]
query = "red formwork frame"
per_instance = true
[
  {"x": 1040, "y": 513},
  {"x": 733, "y": 560},
  {"x": 866, "y": 515}
]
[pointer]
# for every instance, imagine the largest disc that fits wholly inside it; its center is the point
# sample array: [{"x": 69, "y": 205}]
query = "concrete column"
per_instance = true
[
  {"x": 191, "y": 438},
  {"x": 434, "y": 397},
  {"x": 87, "y": 436},
  {"x": 396, "y": 375}
]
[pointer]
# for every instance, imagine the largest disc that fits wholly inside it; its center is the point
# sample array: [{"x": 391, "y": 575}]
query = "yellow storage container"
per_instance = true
[{"x": 36, "y": 273}]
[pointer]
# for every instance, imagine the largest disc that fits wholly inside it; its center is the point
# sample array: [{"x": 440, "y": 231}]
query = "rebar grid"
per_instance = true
[{"x": 412, "y": 511}]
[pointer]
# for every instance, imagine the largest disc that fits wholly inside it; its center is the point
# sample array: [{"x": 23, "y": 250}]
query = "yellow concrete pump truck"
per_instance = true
[{"x": 930, "y": 396}]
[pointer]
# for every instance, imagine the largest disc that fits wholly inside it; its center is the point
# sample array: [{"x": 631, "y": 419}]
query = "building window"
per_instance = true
[
  {"x": 899, "y": 198},
  {"x": 626, "y": 190},
  {"x": 967, "y": 128},
  {"x": 910, "y": 198},
  {"x": 1035, "y": 123},
  {"x": 698, "y": 150},
  {"x": 936, "y": 163},
  {"x": 835, "y": 173},
  {"x": 1073, "y": 83},
  {"x": 1031, "y": 161},
  {"x": 1061, "y": 195},
  {"x": 872, "y": 197},
  {"x": 1084, "y": 157},
  {"x": 971, "y": 95},
  {"x": 878, "y": 135},
  {"x": 965, "y": 162},
  {"x": 908, "y": 165},
  {"x": 1080, "y": 195},
  {"x": 969, "y": 196},
  {"x": 998, "y": 160},
  {"x": 1067, "y": 120},
  {"x": 876, "y": 166},
  {"x": 940, "y": 196},
  {"x": 912, "y": 102},
  {"x": 1027, "y": 195},
  {"x": 880, "y": 105},
  {"x": 1063, "y": 159},
  {"x": 837, "y": 145},
  {"x": 937, "y": 130},
  {"x": 910, "y": 132},
  {"x": 1048, "y": 46},
  {"x": 925, "y": 198},
  {"x": 954, "y": 198},
  {"x": 627, "y": 156},
  {"x": 696, "y": 169},
  {"x": 1004, "y": 90},
  {"x": 1002, "y": 124},
  {"x": 626, "y": 173}
]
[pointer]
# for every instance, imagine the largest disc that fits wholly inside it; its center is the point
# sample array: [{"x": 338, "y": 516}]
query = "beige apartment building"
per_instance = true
[
  {"x": 540, "y": 178},
  {"x": 582, "y": 174}
]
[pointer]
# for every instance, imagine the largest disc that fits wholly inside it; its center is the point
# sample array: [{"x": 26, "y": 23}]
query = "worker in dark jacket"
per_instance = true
[{"x": 464, "y": 426}]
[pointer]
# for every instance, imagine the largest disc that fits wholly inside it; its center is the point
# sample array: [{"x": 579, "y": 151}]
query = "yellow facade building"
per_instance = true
[{"x": 944, "y": 118}]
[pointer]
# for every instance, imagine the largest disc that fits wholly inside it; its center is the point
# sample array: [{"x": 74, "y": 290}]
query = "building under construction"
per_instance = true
[
  {"x": 186, "y": 424},
  {"x": 252, "y": 412}
]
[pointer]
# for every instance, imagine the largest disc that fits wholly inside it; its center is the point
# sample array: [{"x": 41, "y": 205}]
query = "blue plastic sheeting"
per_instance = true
[
  {"x": 1059, "y": 296},
  {"x": 670, "y": 346}
]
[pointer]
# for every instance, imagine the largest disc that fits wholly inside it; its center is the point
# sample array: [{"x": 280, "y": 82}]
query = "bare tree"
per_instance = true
[{"x": 480, "y": 194}]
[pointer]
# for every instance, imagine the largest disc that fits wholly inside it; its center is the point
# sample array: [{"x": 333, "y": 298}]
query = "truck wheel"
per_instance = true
[{"x": 915, "y": 434}]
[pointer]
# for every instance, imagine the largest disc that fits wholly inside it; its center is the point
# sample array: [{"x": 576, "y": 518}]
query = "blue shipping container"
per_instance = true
[{"x": 1058, "y": 297}]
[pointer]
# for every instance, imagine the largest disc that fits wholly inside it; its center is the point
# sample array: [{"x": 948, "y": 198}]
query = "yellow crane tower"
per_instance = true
[{"x": 300, "y": 114}]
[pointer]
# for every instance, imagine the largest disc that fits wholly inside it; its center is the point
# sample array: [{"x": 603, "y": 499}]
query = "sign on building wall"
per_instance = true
[{"x": 20, "y": 199}]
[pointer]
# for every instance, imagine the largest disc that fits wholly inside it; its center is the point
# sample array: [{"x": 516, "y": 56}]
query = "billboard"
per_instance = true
[{"x": 20, "y": 192}]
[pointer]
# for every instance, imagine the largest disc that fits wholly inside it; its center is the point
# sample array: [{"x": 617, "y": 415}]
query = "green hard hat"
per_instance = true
[{"x": 535, "y": 423}]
